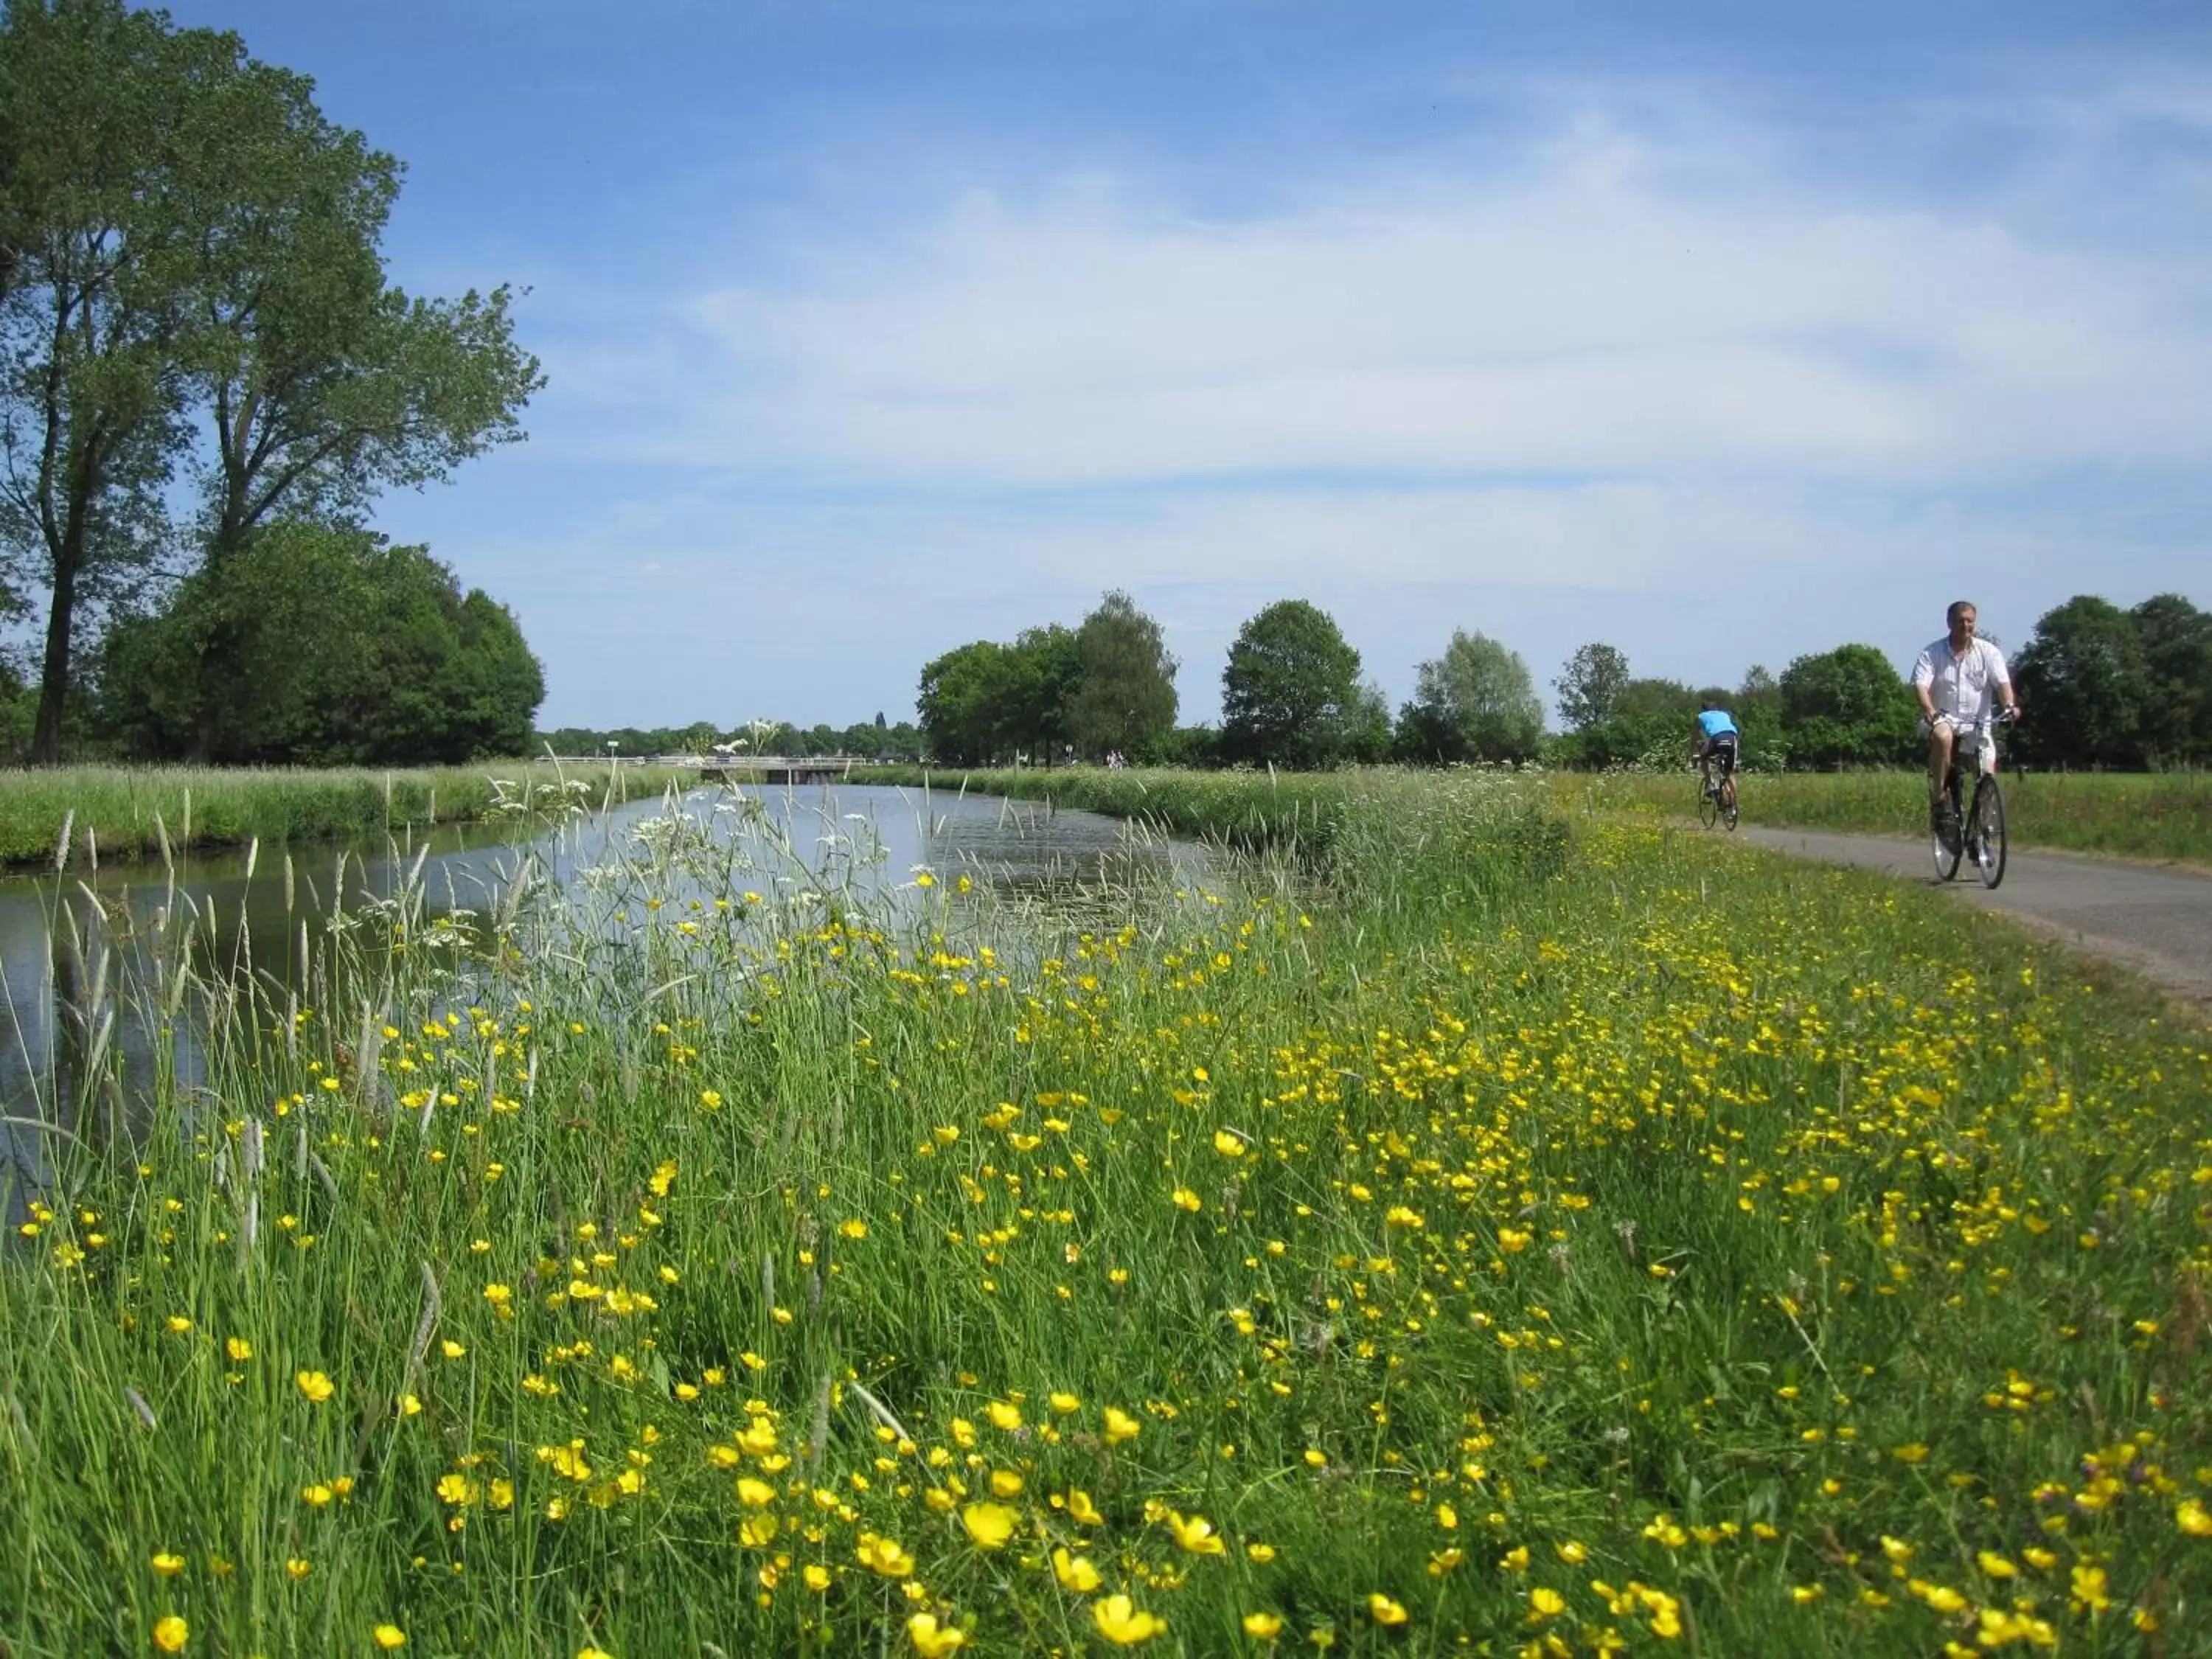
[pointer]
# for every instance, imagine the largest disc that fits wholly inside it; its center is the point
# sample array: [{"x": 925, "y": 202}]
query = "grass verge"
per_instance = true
[
  {"x": 2159, "y": 815},
  {"x": 1454, "y": 1235},
  {"x": 117, "y": 812}
]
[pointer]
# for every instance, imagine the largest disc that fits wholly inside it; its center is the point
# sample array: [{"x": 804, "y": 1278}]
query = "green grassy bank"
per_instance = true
[
  {"x": 2162, "y": 816},
  {"x": 2130, "y": 815},
  {"x": 131, "y": 812},
  {"x": 1485, "y": 1231}
]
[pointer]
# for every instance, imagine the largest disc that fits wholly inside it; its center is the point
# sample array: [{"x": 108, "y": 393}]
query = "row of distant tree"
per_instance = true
[
  {"x": 206, "y": 381},
  {"x": 2103, "y": 686},
  {"x": 871, "y": 740}
]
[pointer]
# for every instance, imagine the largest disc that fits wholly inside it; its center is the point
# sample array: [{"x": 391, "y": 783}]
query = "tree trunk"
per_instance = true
[{"x": 53, "y": 686}]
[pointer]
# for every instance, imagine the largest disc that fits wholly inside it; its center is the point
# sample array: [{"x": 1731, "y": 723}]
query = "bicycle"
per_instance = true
[
  {"x": 1716, "y": 801},
  {"x": 1979, "y": 833}
]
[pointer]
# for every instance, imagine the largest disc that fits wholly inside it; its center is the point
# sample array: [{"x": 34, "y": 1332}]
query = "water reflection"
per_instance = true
[{"x": 106, "y": 974}]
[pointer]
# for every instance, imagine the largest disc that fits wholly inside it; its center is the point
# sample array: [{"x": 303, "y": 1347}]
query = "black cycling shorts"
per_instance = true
[{"x": 1723, "y": 749}]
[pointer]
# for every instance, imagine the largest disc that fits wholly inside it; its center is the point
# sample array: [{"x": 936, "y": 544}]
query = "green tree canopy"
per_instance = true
[
  {"x": 955, "y": 703},
  {"x": 193, "y": 283},
  {"x": 1848, "y": 707},
  {"x": 2176, "y": 638},
  {"x": 1589, "y": 686},
  {"x": 340, "y": 650},
  {"x": 2086, "y": 684},
  {"x": 1645, "y": 718},
  {"x": 1124, "y": 692},
  {"x": 1043, "y": 667},
  {"x": 1291, "y": 684},
  {"x": 1476, "y": 703}
]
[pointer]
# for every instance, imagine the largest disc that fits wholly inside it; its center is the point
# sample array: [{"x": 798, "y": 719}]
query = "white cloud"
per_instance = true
[
  {"x": 1669, "y": 387},
  {"x": 1619, "y": 306}
]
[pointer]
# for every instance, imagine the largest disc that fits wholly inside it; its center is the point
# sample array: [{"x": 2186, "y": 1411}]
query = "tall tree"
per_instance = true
[
  {"x": 188, "y": 238},
  {"x": 2084, "y": 683},
  {"x": 1848, "y": 707},
  {"x": 2176, "y": 639},
  {"x": 1031, "y": 703},
  {"x": 1290, "y": 686},
  {"x": 1476, "y": 703},
  {"x": 93, "y": 322},
  {"x": 1125, "y": 695},
  {"x": 1589, "y": 686},
  {"x": 958, "y": 702}
]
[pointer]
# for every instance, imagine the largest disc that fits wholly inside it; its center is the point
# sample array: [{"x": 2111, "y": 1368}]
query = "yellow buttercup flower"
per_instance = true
[
  {"x": 315, "y": 1385},
  {"x": 932, "y": 1639},
  {"x": 1227, "y": 1144},
  {"x": 1386, "y": 1611},
  {"x": 1196, "y": 1533},
  {"x": 990, "y": 1524},
  {"x": 2192, "y": 1518},
  {"x": 1120, "y": 1426},
  {"x": 1263, "y": 1626},
  {"x": 389, "y": 1637},
  {"x": 1003, "y": 1416},
  {"x": 1121, "y": 1622},
  {"x": 884, "y": 1556},
  {"x": 170, "y": 1634},
  {"x": 1083, "y": 1511},
  {"x": 758, "y": 1530},
  {"x": 167, "y": 1563},
  {"x": 1074, "y": 1572}
]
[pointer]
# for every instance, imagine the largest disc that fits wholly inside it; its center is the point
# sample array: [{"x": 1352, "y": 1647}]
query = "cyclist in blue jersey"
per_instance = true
[{"x": 1717, "y": 740}]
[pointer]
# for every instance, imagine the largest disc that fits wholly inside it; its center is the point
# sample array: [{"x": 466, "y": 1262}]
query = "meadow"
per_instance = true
[
  {"x": 1468, "y": 1226},
  {"x": 85, "y": 813}
]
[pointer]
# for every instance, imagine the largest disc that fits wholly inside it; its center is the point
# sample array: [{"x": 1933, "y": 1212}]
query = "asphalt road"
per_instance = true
[{"x": 2158, "y": 922}]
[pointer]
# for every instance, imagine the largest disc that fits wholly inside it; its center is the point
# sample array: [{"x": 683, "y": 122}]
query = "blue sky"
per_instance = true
[{"x": 1720, "y": 333}]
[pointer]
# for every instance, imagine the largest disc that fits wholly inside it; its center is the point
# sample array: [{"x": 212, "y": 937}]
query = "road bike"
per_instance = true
[
  {"x": 1716, "y": 801},
  {"x": 1978, "y": 832}
]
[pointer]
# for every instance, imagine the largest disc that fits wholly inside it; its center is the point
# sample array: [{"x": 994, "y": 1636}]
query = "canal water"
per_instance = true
[{"x": 82, "y": 951}]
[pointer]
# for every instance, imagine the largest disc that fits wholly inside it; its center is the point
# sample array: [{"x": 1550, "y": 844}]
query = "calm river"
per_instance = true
[{"x": 76, "y": 948}]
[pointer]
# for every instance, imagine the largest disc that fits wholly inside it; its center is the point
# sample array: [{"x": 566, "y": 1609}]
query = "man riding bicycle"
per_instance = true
[
  {"x": 1717, "y": 740},
  {"x": 1954, "y": 678}
]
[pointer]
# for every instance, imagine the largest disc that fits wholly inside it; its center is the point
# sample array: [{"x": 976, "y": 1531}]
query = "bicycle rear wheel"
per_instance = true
[
  {"x": 1947, "y": 847},
  {"x": 1708, "y": 805},
  {"x": 1989, "y": 831},
  {"x": 1728, "y": 800}
]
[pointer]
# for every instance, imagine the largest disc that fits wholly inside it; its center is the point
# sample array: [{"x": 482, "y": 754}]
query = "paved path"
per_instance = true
[{"x": 2157, "y": 921}]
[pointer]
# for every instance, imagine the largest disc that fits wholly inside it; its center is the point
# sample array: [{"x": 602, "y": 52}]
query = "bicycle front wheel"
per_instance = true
[
  {"x": 1989, "y": 831},
  {"x": 1947, "y": 847},
  {"x": 1728, "y": 800}
]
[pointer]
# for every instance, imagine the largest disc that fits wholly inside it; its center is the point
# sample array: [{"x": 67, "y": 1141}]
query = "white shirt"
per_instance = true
[{"x": 1959, "y": 686}]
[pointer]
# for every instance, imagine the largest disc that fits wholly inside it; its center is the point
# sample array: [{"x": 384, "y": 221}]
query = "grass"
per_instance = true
[
  {"x": 2160, "y": 815},
  {"x": 1465, "y": 1228},
  {"x": 117, "y": 812}
]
